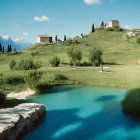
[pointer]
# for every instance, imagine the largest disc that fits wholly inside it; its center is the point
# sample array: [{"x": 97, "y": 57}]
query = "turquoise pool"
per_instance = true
[{"x": 84, "y": 113}]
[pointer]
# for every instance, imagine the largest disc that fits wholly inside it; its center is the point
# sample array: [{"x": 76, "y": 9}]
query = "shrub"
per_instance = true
[
  {"x": 32, "y": 78},
  {"x": 138, "y": 40},
  {"x": 71, "y": 62},
  {"x": 119, "y": 29},
  {"x": 28, "y": 64},
  {"x": 12, "y": 79},
  {"x": 86, "y": 64},
  {"x": 127, "y": 36},
  {"x": 34, "y": 53},
  {"x": 54, "y": 61},
  {"x": 68, "y": 42},
  {"x": 12, "y": 64},
  {"x": 131, "y": 103},
  {"x": 75, "y": 54},
  {"x": 1, "y": 78},
  {"x": 59, "y": 77},
  {"x": 2, "y": 97},
  {"x": 110, "y": 29},
  {"x": 95, "y": 57},
  {"x": 71, "y": 41},
  {"x": 15, "y": 52}
]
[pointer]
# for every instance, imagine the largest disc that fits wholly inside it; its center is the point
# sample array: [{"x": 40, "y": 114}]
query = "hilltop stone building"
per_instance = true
[
  {"x": 44, "y": 39},
  {"x": 113, "y": 23},
  {"x": 133, "y": 33}
]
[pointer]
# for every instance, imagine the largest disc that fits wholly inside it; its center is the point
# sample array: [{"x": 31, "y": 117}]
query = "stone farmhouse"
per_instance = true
[
  {"x": 112, "y": 23},
  {"x": 133, "y": 33},
  {"x": 44, "y": 39}
]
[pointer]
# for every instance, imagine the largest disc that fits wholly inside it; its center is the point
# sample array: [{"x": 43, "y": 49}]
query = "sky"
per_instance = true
[{"x": 25, "y": 19}]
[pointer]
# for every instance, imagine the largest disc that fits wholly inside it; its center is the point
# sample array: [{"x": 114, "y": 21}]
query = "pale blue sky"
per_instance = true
[{"x": 28, "y": 18}]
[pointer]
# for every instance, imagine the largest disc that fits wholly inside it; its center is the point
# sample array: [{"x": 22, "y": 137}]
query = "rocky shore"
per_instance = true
[{"x": 17, "y": 121}]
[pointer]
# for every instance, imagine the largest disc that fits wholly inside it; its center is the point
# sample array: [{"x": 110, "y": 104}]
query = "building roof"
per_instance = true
[
  {"x": 135, "y": 30},
  {"x": 114, "y": 20},
  {"x": 44, "y": 36}
]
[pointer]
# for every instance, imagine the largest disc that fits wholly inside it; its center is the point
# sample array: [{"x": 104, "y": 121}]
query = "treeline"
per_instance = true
[{"x": 9, "y": 49}]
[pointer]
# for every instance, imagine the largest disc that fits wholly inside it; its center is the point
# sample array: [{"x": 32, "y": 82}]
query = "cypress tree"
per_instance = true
[
  {"x": 82, "y": 34},
  {"x": 102, "y": 24},
  {"x": 3, "y": 49},
  {"x": 105, "y": 24},
  {"x": 10, "y": 48},
  {"x": 56, "y": 38},
  {"x": 0, "y": 48},
  {"x": 65, "y": 38},
  {"x": 93, "y": 30}
]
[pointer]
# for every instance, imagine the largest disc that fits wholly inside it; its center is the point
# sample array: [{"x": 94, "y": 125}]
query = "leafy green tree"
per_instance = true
[
  {"x": 75, "y": 54},
  {"x": 54, "y": 61},
  {"x": 95, "y": 57},
  {"x": 93, "y": 29}
]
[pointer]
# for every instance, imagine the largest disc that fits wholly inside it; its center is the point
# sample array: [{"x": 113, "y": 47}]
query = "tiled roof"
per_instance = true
[
  {"x": 114, "y": 20},
  {"x": 44, "y": 36}
]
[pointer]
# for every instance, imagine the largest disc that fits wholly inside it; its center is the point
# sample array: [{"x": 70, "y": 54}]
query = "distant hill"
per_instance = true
[{"x": 18, "y": 44}]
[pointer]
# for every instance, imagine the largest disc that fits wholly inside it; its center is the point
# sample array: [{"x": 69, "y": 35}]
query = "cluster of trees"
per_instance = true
[
  {"x": 93, "y": 27},
  {"x": 95, "y": 56},
  {"x": 9, "y": 48},
  {"x": 56, "y": 38},
  {"x": 24, "y": 64},
  {"x": 1, "y": 48}
]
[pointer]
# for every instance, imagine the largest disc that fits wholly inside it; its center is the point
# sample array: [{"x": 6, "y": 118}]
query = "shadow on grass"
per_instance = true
[{"x": 110, "y": 63}]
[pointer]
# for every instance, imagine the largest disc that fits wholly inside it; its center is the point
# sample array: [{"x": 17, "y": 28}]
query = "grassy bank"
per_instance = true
[{"x": 120, "y": 54}]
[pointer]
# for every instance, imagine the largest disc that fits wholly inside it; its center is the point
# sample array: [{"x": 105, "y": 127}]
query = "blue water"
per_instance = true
[{"x": 84, "y": 113}]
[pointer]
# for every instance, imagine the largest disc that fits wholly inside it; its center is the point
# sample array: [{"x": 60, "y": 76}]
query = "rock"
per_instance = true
[{"x": 17, "y": 121}]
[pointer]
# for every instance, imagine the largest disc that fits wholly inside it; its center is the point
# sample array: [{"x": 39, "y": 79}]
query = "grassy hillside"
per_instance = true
[{"x": 123, "y": 52}]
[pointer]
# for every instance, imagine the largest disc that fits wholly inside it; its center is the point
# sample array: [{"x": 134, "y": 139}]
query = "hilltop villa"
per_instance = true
[
  {"x": 133, "y": 32},
  {"x": 112, "y": 23},
  {"x": 44, "y": 39}
]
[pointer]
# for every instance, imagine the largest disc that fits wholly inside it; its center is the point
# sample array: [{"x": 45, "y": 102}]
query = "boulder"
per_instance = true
[{"x": 17, "y": 121}]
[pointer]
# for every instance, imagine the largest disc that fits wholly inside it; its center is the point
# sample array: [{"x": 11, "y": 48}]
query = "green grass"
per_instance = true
[{"x": 117, "y": 49}]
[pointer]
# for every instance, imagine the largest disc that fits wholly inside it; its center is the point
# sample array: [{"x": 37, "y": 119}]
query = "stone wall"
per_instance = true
[{"x": 17, "y": 121}]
